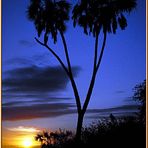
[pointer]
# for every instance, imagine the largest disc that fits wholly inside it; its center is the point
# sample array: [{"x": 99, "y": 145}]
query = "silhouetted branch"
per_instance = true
[
  {"x": 96, "y": 51},
  {"x": 71, "y": 74},
  {"x": 94, "y": 76},
  {"x": 102, "y": 51},
  {"x": 56, "y": 56},
  {"x": 96, "y": 47}
]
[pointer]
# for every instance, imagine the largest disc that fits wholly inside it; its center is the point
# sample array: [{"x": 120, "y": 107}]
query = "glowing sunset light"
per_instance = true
[
  {"x": 27, "y": 142},
  {"x": 22, "y": 136}
]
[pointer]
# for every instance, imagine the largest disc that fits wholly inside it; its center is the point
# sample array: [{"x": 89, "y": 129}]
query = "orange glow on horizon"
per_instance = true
[
  {"x": 20, "y": 138},
  {"x": 27, "y": 142}
]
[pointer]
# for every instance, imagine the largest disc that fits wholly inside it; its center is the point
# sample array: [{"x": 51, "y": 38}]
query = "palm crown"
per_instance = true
[
  {"x": 49, "y": 16},
  {"x": 93, "y": 15}
]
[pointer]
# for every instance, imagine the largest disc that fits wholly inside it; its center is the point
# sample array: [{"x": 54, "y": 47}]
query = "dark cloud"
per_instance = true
[
  {"x": 42, "y": 57},
  {"x": 34, "y": 79},
  {"x": 51, "y": 110},
  {"x": 32, "y": 91},
  {"x": 37, "y": 59},
  {"x": 13, "y": 113},
  {"x": 26, "y": 43}
]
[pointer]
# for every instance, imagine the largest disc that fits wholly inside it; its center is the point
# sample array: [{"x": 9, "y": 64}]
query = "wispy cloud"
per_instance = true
[
  {"x": 23, "y": 129},
  {"x": 117, "y": 108},
  {"x": 33, "y": 99},
  {"x": 118, "y": 111},
  {"x": 42, "y": 59},
  {"x": 19, "y": 61}
]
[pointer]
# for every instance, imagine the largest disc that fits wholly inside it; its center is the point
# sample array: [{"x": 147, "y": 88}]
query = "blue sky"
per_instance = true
[{"x": 32, "y": 76}]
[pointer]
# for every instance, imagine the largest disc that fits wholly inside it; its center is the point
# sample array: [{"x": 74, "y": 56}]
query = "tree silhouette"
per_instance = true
[
  {"x": 140, "y": 96},
  {"x": 44, "y": 138},
  {"x": 57, "y": 138},
  {"x": 50, "y": 16}
]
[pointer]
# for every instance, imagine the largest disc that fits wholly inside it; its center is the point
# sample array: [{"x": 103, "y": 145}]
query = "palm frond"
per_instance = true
[
  {"x": 90, "y": 14},
  {"x": 122, "y": 22},
  {"x": 49, "y": 17}
]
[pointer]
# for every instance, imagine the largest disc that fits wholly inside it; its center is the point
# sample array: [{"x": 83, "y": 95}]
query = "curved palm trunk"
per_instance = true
[
  {"x": 83, "y": 111},
  {"x": 78, "y": 103},
  {"x": 94, "y": 76}
]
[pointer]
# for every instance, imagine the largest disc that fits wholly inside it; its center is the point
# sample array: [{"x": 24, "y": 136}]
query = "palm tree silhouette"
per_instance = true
[
  {"x": 94, "y": 16},
  {"x": 49, "y": 17}
]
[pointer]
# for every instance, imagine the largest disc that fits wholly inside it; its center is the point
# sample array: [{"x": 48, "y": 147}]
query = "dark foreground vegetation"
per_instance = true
[{"x": 126, "y": 132}]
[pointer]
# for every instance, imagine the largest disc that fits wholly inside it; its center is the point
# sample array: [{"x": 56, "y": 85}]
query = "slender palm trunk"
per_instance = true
[
  {"x": 75, "y": 90},
  {"x": 90, "y": 90},
  {"x": 79, "y": 126}
]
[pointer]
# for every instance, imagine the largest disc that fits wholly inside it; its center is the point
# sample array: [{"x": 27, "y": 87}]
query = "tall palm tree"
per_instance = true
[{"x": 95, "y": 16}]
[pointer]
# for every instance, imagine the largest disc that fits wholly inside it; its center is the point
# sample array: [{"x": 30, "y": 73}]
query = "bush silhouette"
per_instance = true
[
  {"x": 54, "y": 139},
  {"x": 127, "y": 132},
  {"x": 140, "y": 96}
]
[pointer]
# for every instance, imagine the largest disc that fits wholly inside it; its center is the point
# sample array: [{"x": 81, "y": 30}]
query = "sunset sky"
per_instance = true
[{"x": 36, "y": 93}]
